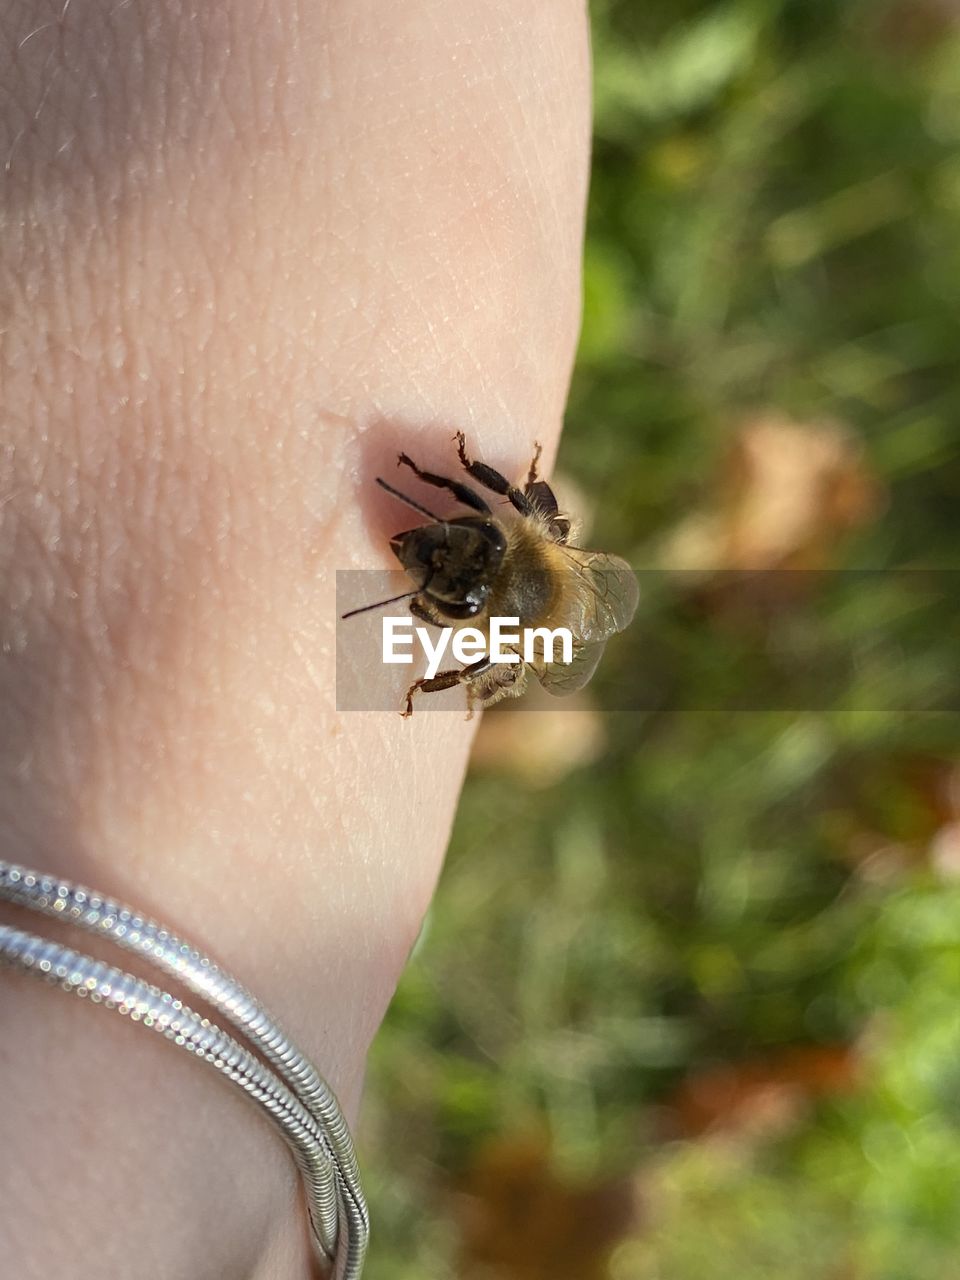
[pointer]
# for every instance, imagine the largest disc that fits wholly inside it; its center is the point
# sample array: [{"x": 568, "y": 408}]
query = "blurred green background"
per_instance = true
[{"x": 688, "y": 1001}]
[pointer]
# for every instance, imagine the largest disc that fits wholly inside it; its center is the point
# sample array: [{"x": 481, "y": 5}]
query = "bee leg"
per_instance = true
[
  {"x": 532, "y": 473},
  {"x": 560, "y": 529},
  {"x": 446, "y": 680},
  {"x": 493, "y": 480},
  {"x": 503, "y": 680},
  {"x": 541, "y": 493},
  {"x": 543, "y": 497},
  {"x": 422, "y": 609},
  {"x": 462, "y": 492}
]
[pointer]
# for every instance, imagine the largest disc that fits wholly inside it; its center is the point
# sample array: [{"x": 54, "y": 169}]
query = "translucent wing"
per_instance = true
[
  {"x": 602, "y": 599},
  {"x": 602, "y": 594},
  {"x": 561, "y": 678}
]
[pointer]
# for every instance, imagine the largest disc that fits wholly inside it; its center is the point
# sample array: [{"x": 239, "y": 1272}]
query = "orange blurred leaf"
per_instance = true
[
  {"x": 762, "y": 1096},
  {"x": 519, "y": 1220},
  {"x": 785, "y": 492},
  {"x": 538, "y": 747}
]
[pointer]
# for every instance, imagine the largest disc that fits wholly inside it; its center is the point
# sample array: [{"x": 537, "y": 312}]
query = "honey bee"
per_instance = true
[{"x": 479, "y": 566}]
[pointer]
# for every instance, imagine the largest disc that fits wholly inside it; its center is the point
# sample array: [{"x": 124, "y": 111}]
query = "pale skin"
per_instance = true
[{"x": 247, "y": 252}]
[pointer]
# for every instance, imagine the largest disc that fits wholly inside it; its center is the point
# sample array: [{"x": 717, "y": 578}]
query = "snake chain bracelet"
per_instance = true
[{"x": 296, "y": 1099}]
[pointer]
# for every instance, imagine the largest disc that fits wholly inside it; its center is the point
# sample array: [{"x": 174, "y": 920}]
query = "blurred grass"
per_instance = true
[{"x": 774, "y": 234}]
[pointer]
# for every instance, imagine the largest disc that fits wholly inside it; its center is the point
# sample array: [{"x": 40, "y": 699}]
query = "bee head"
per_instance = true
[{"x": 454, "y": 562}]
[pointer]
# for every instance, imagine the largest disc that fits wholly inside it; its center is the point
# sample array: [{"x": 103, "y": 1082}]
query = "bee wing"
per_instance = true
[
  {"x": 603, "y": 598},
  {"x": 604, "y": 595},
  {"x": 562, "y": 678}
]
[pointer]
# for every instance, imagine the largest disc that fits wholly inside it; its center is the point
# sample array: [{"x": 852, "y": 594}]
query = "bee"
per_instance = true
[{"x": 478, "y": 566}]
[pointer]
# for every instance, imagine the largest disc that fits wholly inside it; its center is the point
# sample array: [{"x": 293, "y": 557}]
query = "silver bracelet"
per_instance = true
[{"x": 299, "y": 1103}]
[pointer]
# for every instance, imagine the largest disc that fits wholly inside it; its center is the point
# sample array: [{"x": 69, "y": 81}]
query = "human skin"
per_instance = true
[{"x": 247, "y": 252}]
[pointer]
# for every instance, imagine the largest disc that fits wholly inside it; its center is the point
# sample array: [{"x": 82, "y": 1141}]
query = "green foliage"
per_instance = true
[{"x": 774, "y": 227}]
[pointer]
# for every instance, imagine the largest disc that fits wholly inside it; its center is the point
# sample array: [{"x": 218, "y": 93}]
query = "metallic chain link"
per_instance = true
[{"x": 297, "y": 1100}]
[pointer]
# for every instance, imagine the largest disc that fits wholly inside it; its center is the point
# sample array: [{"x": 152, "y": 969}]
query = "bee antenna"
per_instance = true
[
  {"x": 365, "y": 608},
  {"x": 410, "y": 502}
]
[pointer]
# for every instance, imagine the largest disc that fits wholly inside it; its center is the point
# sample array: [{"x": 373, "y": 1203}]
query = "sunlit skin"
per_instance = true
[{"x": 239, "y": 244}]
